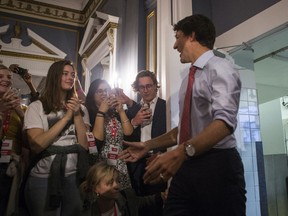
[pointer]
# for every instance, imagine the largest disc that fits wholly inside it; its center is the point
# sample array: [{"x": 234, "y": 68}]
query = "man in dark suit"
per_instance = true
[{"x": 148, "y": 118}]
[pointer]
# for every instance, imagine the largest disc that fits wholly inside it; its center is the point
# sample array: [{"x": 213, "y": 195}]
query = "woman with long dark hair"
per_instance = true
[
  {"x": 109, "y": 124},
  {"x": 56, "y": 126}
]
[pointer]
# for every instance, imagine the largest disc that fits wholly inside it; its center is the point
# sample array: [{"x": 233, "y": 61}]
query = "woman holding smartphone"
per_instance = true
[
  {"x": 109, "y": 124},
  {"x": 56, "y": 126},
  {"x": 11, "y": 142}
]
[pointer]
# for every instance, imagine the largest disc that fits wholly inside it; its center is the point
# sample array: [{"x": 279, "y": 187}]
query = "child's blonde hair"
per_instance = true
[{"x": 94, "y": 175}]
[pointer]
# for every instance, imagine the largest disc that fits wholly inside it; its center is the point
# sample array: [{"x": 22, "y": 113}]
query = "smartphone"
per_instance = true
[{"x": 18, "y": 70}]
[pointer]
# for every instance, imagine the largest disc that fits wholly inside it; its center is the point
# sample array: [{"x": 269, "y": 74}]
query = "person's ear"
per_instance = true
[{"x": 192, "y": 36}]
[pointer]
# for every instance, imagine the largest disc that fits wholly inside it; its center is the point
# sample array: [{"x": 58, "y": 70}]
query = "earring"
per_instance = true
[{"x": 95, "y": 196}]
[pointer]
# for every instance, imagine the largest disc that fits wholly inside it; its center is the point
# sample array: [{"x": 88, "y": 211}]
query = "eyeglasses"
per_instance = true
[
  {"x": 103, "y": 91},
  {"x": 147, "y": 86}
]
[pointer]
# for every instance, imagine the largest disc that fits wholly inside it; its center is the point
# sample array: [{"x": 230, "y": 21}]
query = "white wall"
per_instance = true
[
  {"x": 271, "y": 127},
  {"x": 169, "y": 69}
]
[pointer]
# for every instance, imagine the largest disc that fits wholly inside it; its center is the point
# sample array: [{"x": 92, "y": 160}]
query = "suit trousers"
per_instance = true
[{"x": 211, "y": 184}]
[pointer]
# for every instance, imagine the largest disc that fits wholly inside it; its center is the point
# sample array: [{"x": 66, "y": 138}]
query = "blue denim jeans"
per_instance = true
[{"x": 36, "y": 197}]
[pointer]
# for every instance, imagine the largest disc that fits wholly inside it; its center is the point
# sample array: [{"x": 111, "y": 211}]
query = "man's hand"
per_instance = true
[
  {"x": 164, "y": 166},
  {"x": 141, "y": 116},
  {"x": 134, "y": 152}
]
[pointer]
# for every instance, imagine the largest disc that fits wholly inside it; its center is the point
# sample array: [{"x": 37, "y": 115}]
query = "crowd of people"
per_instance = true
[{"x": 68, "y": 153}]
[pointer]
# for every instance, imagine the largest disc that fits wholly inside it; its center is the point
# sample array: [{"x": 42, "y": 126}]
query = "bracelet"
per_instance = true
[
  {"x": 100, "y": 115},
  {"x": 125, "y": 121},
  {"x": 34, "y": 94},
  {"x": 100, "y": 112},
  {"x": 76, "y": 113}
]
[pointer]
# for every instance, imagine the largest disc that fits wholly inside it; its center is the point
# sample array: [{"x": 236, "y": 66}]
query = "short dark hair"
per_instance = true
[
  {"x": 144, "y": 73},
  {"x": 203, "y": 27}
]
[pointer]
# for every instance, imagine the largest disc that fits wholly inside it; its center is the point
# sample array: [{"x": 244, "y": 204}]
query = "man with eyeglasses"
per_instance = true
[{"x": 149, "y": 120}]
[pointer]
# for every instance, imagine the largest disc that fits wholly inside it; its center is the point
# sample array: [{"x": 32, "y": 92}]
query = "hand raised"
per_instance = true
[
  {"x": 73, "y": 104},
  {"x": 134, "y": 152},
  {"x": 141, "y": 116},
  {"x": 124, "y": 99},
  {"x": 10, "y": 100},
  {"x": 104, "y": 106}
]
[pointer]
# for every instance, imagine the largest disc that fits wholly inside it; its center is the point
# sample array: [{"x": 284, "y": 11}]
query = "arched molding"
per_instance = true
[{"x": 99, "y": 42}]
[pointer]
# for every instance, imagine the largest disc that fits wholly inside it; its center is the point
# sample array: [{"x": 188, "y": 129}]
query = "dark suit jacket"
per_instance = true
[
  {"x": 158, "y": 122},
  {"x": 137, "y": 169},
  {"x": 128, "y": 203}
]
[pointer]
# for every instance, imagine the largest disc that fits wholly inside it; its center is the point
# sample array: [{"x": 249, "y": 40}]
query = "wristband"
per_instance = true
[
  {"x": 134, "y": 125},
  {"x": 100, "y": 115},
  {"x": 100, "y": 112},
  {"x": 125, "y": 121}
]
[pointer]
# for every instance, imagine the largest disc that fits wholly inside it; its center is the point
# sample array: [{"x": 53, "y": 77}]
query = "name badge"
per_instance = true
[
  {"x": 112, "y": 155},
  {"x": 6, "y": 151},
  {"x": 91, "y": 143}
]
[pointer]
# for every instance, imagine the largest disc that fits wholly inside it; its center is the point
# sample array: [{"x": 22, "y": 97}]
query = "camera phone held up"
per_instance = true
[{"x": 18, "y": 70}]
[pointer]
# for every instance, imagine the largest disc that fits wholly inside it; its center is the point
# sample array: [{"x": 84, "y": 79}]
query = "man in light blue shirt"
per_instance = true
[{"x": 207, "y": 171}]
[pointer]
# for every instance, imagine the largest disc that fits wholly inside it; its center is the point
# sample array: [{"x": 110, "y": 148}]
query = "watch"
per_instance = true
[{"x": 189, "y": 150}]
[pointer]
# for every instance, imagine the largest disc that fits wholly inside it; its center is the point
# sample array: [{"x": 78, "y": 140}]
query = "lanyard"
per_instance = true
[
  {"x": 113, "y": 128},
  {"x": 5, "y": 127},
  {"x": 6, "y": 123}
]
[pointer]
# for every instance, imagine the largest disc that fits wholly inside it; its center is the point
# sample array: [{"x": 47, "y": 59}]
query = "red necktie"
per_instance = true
[{"x": 185, "y": 128}]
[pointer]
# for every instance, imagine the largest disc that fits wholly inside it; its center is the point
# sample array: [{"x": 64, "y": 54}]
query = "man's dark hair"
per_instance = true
[
  {"x": 203, "y": 27},
  {"x": 144, "y": 73}
]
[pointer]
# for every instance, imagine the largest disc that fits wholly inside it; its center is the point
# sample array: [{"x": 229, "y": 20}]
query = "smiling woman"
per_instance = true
[
  {"x": 11, "y": 143},
  {"x": 109, "y": 124},
  {"x": 103, "y": 196},
  {"x": 56, "y": 127}
]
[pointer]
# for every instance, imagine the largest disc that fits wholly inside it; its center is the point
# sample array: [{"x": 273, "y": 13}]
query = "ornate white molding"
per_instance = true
[
  {"x": 38, "y": 56},
  {"x": 99, "y": 41},
  {"x": 53, "y": 13}
]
